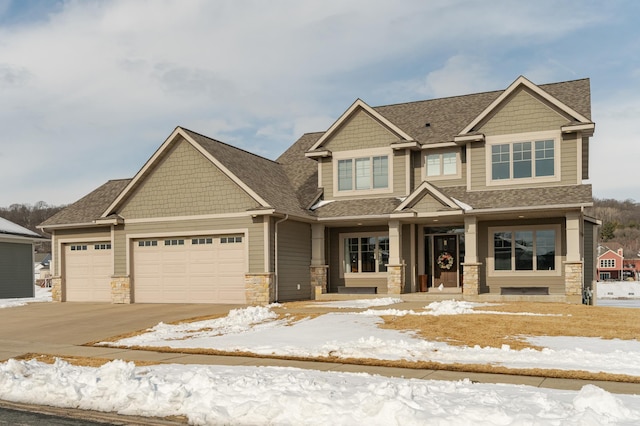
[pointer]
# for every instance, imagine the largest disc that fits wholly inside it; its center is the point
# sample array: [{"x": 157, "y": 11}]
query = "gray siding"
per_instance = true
[
  {"x": 294, "y": 261},
  {"x": 16, "y": 270},
  {"x": 589, "y": 251}
]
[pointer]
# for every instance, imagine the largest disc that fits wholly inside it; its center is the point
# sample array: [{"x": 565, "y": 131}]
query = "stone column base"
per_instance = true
[
  {"x": 471, "y": 279},
  {"x": 573, "y": 279},
  {"x": 121, "y": 289},
  {"x": 395, "y": 279},
  {"x": 259, "y": 288},
  {"x": 319, "y": 280},
  {"x": 56, "y": 289}
]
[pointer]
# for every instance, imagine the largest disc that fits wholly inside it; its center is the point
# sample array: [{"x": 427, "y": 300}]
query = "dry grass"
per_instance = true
[{"x": 490, "y": 329}]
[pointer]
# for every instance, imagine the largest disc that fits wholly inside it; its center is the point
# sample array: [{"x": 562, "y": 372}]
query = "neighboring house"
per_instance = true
[
  {"x": 612, "y": 266},
  {"x": 41, "y": 265},
  {"x": 480, "y": 194},
  {"x": 16, "y": 260}
]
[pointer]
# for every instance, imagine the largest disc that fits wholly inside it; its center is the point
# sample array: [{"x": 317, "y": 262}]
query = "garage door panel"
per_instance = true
[
  {"x": 88, "y": 273},
  {"x": 204, "y": 271}
]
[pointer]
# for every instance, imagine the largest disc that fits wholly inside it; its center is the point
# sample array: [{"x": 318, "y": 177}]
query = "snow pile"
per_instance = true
[
  {"x": 360, "y": 303},
  {"x": 289, "y": 396},
  {"x": 358, "y": 335},
  {"x": 618, "y": 290},
  {"x": 41, "y": 295}
]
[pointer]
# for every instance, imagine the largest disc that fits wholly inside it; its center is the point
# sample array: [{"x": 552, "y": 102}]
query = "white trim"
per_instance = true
[
  {"x": 359, "y": 104},
  {"x": 359, "y": 153},
  {"x": 510, "y": 139},
  {"x": 408, "y": 172},
  {"x": 479, "y": 137},
  {"x": 522, "y": 81},
  {"x": 441, "y": 152},
  {"x": 530, "y": 208},
  {"x": 419, "y": 193},
  {"x": 406, "y": 145},
  {"x": 165, "y": 145},
  {"x": 266, "y": 228},
  {"x": 428, "y": 146},
  {"x": 515, "y": 228},
  {"x": 579, "y": 163},
  {"x": 570, "y": 128},
  {"x": 356, "y": 275},
  {"x": 315, "y": 154},
  {"x": 320, "y": 165}
]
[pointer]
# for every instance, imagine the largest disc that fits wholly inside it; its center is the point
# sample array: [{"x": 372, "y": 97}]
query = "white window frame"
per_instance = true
[
  {"x": 342, "y": 238},
  {"x": 441, "y": 175},
  {"x": 357, "y": 154},
  {"x": 512, "y": 139},
  {"x": 603, "y": 264},
  {"x": 515, "y": 273}
]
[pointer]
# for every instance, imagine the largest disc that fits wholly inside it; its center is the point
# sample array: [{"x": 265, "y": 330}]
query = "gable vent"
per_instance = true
[{"x": 427, "y": 124}]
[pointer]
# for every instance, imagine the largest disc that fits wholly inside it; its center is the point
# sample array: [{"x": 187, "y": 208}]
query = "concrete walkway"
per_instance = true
[{"x": 62, "y": 329}]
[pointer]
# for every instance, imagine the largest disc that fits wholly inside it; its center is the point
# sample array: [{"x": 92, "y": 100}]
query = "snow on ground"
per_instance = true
[
  {"x": 359, "y": 303},
  {"x": 619, "y": 303},
  {"x": 289, "y": 396},
  {"x": 41, "y": 295},
  {"x": 358, "y": 335}
]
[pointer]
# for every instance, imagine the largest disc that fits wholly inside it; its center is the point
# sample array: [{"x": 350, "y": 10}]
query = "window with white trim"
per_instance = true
[
  {"x": 442, "y": 164},
  {"x": 365, "y": 253},
  {"x": 607, "y": 263},
  {"x": 230, "y": 240},
  {"x": 148, "y": 243},
  {"x": 525, "y": 249},
  {"x": 363, "y": 173},
  {"x": 521, "y": 158},
  {"x": 201, "y": 241},
  {"x": 82, "y": 247},
  {"x": 105, "y": 246},
  {"x": 174, "y": 242}
]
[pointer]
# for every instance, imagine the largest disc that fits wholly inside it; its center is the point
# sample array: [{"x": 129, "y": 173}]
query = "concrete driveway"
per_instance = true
[{"x": 75, "y": 323}]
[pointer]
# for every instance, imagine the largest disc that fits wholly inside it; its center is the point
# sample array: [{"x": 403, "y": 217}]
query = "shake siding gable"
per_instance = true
[
  {"x": 361, "y": 131},
  {"x": 185, "y": 183},
  {"x": 428, "y": 204},
  {"x": 522, "y": 113}
]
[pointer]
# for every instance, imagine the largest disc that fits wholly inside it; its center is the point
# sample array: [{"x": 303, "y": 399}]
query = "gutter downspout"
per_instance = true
[{"x": 275, "y": 236}]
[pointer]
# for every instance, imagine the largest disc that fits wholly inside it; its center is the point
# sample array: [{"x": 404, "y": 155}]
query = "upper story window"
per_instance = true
[
  {"x": 607, "y": 263},
  {"x": 355, "y": 172},
  {"x": 363, "y": 173},
  {"x": 518, "y": 161},
  {"x": 444, "y": 164}
]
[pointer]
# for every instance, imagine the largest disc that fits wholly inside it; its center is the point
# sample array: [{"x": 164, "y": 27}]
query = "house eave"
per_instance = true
[
  {"x": 412, "y": 145},
  {"x": 531, "y": 208},
  {"x": 462, "y": 139},
  {"x": 318, "y": 154},
  {"x": 92, "y": 224},
  {"x": 587, "y": 129}
]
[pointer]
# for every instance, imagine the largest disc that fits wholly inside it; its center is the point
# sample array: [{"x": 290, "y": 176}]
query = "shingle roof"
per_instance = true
[
  {"x": 361, "y": 207},
  {"x": 90, "y": 207},
  {"x": 448, "y": 116},
  {"x": 523, "y": 197},
  {"x": 266, "y": 178},
  {"x": 302, "y": 171}
]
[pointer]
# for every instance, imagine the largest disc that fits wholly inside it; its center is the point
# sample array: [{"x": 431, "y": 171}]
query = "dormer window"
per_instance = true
[
  {"x": 523, "y": 158},
  {"x": 362, "y": 173},
  {"x": 444, "y": 164}
]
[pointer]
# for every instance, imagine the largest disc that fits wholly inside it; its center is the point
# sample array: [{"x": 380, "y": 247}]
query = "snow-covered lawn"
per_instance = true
[
  {"x": 259, "y": 330},
  {"x": 41, "y": 295},
  {"x": 289, "y": 396}
]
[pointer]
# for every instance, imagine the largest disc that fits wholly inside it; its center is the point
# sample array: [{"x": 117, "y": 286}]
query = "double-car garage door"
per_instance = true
[{"x": 204, "y": 269}]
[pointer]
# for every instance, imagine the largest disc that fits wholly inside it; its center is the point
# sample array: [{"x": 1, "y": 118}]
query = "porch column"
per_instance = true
[
  {"x": 319, "y": 267},
  {"x": 573, "y": 265},
  {"x": 395, "y": 268},
  {"x": 471, "y": 274}
]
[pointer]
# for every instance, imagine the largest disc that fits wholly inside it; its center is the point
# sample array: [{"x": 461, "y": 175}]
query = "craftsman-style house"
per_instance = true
[{"x": 480, "y": 195}]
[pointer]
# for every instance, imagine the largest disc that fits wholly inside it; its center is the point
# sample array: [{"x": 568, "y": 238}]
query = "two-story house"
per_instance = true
[{"x": 480, "y": 195}]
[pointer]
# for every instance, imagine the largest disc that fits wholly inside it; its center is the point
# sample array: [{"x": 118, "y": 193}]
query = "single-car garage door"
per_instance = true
[
  {"x": 207, "y": 269},
  {"x": 88, "y": 270}
]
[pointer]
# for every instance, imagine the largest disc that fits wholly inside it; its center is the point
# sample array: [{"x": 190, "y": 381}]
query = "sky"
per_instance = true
[{"x": 90, "y": 89}]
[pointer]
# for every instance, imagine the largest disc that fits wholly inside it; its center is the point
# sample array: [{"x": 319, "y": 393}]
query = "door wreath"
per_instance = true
[{"x": 445, "y": 261}]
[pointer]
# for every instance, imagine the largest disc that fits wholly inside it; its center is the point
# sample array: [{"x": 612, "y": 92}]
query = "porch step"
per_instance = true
[{"x": 357, "y": 290}]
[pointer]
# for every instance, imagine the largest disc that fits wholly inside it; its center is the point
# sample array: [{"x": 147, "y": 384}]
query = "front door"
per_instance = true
[{"x": 445, "y": 261}]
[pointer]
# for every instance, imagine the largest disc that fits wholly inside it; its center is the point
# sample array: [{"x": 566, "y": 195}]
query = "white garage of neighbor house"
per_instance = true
[{"x": 16, "y": 260}]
